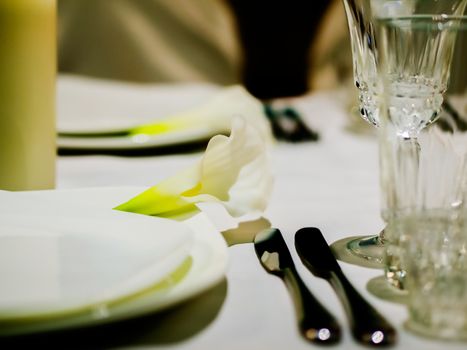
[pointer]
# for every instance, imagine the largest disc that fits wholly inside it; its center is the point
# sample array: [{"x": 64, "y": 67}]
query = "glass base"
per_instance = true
[
  {"x": 342, "y": 252},
  {"x": 380, "y": 287},
  {"x": 368, "y": 248},
  {"x": 378, "y": 250}
]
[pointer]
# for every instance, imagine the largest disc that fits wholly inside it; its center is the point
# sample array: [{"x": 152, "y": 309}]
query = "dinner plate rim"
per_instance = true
[{"x": 187, "y": 136}]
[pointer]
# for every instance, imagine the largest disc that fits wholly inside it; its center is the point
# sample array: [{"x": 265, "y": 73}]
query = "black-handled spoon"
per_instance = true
[{"x": 368, "y": 326}]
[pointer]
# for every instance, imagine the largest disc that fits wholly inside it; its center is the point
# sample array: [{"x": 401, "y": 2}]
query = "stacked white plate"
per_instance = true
[
  {"x": 86, "y": 105},
  {"x": 67, "y": 259}
]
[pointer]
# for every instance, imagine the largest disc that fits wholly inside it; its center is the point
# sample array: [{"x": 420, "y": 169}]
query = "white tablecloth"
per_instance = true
[{"x": 331, "y": 184}]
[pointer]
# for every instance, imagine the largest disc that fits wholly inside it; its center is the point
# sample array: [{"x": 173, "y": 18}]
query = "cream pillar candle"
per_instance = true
[{"x": 27, "y": 94}]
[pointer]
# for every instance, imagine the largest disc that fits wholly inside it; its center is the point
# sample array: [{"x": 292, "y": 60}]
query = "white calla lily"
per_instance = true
[{"x": 234, "y": 171}]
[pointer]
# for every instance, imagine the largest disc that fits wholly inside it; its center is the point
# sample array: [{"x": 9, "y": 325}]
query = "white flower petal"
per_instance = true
[{"x": 234, "y": 171}]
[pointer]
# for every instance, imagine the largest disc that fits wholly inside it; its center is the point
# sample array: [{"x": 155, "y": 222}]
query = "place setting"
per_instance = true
[
  {"x": 243, "y": 245},
  {"x": 144, "y": 254}
]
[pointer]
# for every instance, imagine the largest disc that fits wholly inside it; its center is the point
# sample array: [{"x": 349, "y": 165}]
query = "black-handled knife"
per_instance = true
[
  {"x": 315, "y": 322},
  {"x": 368, "y": 326}
]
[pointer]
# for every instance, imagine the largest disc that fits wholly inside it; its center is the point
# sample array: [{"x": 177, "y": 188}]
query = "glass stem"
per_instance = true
[{"x": 408, "y": 163}]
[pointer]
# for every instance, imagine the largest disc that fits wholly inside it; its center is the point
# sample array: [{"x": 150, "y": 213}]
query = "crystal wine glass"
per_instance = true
[
  {"x": 422, "y": 154},
  {"x": 416, "y": 81}
]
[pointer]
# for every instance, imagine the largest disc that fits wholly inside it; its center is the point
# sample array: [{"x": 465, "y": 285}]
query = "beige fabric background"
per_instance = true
[{"x": 176, "y": 40}]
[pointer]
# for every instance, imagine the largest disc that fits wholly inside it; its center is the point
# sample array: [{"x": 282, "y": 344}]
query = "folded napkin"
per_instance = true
[
  {"x": 234, "y": 171},
  {"x": 60, "y": 256},
  {"x": 210, "y": 111}
]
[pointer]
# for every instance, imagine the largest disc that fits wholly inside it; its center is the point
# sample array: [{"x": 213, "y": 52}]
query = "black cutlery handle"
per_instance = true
[
  {"x": 315, "y": 322},
  {"x": 367, "y": 324}
]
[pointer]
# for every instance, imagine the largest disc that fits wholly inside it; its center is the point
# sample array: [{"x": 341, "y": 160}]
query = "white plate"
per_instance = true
[
  {"x": 95, "y": 105},
  {"x": 204, "y": 267}
]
